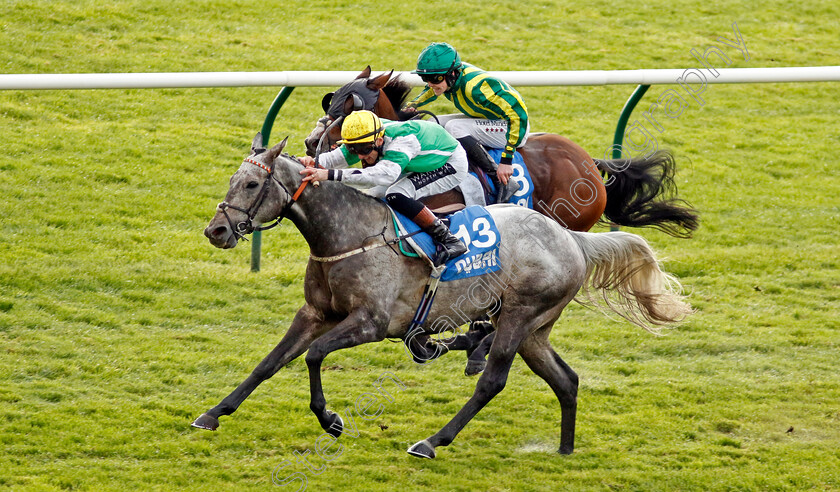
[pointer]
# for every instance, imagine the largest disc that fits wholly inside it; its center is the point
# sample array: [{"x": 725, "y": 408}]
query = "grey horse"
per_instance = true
[{"x": 357, "y": 290}]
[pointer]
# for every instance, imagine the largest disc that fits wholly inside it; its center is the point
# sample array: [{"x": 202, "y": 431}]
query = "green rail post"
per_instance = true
[
  {"x": 621, "y": 126},
  {"x": 628, "y": 108},
  {"x": 256, "y": 238}
]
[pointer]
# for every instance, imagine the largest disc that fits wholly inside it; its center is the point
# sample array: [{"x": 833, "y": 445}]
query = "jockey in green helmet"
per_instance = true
[{"x": 496, "y": 115}]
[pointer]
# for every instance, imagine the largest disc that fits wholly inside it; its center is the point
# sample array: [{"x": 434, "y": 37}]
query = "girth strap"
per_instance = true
[{"x": 354, "y": 252}]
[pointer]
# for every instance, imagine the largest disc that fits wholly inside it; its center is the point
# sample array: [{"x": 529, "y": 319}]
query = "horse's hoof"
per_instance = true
[
  {"x": 206, "y": 422},
  {"x": 422, "y": 449},
  {"x": 336, "y": 426},
  {"x": 475, "y": 367},
  {"x": 565, "y": 449}
]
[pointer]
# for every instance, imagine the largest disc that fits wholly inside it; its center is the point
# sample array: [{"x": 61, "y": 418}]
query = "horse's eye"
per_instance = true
[{"x": 252, "y": 185}]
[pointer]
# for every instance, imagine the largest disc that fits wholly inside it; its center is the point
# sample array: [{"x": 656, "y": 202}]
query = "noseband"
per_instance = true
[{"x": 247, "y": 226}]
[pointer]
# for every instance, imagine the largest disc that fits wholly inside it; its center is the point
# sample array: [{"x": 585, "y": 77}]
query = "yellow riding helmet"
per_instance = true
[{"x": 360, "y": 127}]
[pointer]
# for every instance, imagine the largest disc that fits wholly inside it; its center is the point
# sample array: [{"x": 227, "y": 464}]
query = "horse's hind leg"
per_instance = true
[{"x": 536, "y": 351}]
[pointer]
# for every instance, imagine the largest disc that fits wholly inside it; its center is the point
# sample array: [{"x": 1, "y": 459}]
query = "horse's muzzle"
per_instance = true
[
  {"x": 311, "y": 145},
  {"x": 220, "y": 234}
]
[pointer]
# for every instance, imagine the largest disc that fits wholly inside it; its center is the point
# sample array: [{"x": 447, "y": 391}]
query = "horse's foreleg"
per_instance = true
[
  {"x": 544, "y": 361},
  {"x": 491, "y": 382},
  {"x": 475, "y": 342},
  {"x": 306, "y": 327},
  {"x": 475, "y": 359},
  {"x": 422, "y": 348},
  {"x": 358, "y": 328}
]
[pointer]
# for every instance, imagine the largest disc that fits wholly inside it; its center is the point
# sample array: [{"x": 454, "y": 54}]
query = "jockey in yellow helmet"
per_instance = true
[{"x": 402, "y": 162}]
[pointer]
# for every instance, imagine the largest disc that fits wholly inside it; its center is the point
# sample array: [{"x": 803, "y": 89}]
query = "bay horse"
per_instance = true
[
  {"x": 568, "y": 185},
  {"x": 357, "y": 292}
]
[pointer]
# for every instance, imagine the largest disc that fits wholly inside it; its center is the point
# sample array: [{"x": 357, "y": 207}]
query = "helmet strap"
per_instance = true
[
  {"x": 379, "y": 148},
  {"x": 450, "y": 78}
]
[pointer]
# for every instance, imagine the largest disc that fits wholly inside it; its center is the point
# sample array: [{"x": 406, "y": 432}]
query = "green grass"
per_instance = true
[{"x": 119, "y": 323}]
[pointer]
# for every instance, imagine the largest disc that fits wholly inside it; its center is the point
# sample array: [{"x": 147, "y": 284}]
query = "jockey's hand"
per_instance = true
[
  {"x": 307, "y": 161},
  {"x": 314, "y": 175},
  {"x": 406, "y": 113},
  {"x": 504, "y": 172}
]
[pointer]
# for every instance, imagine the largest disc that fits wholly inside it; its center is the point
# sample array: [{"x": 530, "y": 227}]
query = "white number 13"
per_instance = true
[{"x": 481, "y": 226}]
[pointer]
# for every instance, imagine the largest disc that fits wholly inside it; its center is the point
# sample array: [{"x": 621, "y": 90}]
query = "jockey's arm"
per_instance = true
[
  {"x": 338, "y": 158},
  {"x": 384, "y": 172},
  {"x": 517, "y": 128},
  {"x": 335, "y": 163},
  {"x": 422, "y": 99}
]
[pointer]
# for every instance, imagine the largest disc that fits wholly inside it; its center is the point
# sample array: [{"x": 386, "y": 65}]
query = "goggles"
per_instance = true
[
  {"x": 363, "y": 148},
  {"x": 433, "y": 78}
]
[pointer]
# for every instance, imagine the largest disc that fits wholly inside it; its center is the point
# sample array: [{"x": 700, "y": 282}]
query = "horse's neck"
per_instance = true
[
  {"x": 384, "y": 109},
  {"x": 334, "y": 218}
]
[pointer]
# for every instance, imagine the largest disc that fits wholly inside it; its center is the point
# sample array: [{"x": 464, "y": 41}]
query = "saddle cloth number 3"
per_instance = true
[{"x": 523, "y": 193}]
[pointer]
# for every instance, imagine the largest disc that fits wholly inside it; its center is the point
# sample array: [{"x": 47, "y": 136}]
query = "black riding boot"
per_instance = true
[
  {"x": 447, "y": 245},
  {"x": 478, "y": 155}
]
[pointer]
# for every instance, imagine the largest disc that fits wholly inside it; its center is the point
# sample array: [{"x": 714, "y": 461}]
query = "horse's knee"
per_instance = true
[
  {"x": 567, "y": 394},
  {"x": 568, "y": 400}
]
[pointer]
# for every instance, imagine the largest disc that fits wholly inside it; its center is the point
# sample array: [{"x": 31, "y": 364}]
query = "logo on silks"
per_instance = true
[
  {"x": 522, "y": 197},
  {"x": 476, "y": 228}
]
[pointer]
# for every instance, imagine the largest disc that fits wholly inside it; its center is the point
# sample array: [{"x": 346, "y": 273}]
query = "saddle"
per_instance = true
[
  {"x": 451, "y": 201},
  {"x": 445, "y": 203}
]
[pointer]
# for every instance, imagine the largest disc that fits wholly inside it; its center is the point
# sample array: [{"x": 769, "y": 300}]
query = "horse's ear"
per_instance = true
[
  {"x": 351, "y": 102},
  {"x": 275, "y": 151},
  {"x": 365, "y": 73},
  {"x": 379, "y": 82},
  {"x": 257, "y": 143},
  {"x": 326, "y": 101}
]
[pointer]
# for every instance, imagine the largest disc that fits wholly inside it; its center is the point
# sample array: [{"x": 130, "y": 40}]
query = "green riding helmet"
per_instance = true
[{"x": 437, "y": 58}]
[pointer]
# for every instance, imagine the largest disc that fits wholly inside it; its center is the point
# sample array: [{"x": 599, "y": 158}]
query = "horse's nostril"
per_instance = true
[{"x": 216, "y": 232}]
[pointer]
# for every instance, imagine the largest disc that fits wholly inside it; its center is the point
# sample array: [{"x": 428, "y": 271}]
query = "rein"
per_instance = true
[
  {"x": 420, "y": 112},
  {"x": 324, "y": 135}
]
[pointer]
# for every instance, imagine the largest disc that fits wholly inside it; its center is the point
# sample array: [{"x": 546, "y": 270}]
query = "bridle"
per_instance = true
[
  {"x": 328, "y": 126},
  {"x": 329, "y": 123},
  {"x": 247, "y": 226},
  {"x": 244, "y": 227}
]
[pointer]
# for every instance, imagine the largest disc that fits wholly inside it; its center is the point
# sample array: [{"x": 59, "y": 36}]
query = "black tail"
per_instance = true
[{"x": 641, "y": 192}]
